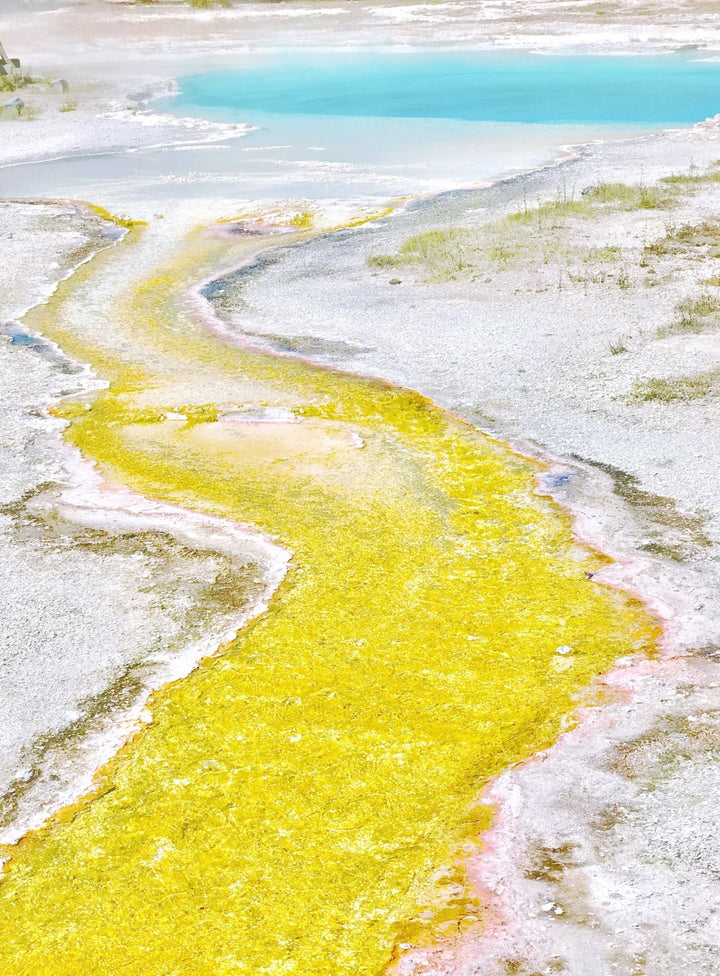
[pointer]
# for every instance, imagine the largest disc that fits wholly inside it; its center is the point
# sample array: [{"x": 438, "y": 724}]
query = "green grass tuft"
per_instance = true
[{"x": 610, "y": 253}]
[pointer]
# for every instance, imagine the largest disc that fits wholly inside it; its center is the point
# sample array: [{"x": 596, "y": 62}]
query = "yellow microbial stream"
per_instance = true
[{"x": 293, "y": 799}]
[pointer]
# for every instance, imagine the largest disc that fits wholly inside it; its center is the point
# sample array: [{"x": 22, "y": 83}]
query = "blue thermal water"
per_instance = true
[{"x": 470, "y": 86}]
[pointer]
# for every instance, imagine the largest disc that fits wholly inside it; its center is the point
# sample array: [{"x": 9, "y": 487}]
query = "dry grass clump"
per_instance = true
[
  {"x": 694, "y": 177},
  {"x": 198, "y": 4},
  {"x": 599, "y": 196},
  {"x": 383, "y": 261},
  {"x": 631, "y": 196},
  {"x": 444, "y": 253},
  {"x": 704, "y": 234},
  {"x": 679, "y": 240},
  {"x": 679, "y": 389},
  {"x": 558, "y": 208},
  {"x": 602, "y": 254},
  {"x": 694, "y": 315},
  {"x": 17, "y": 80}
]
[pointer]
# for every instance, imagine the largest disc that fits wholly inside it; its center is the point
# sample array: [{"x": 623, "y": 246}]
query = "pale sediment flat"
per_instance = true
[{"x": 307, "y": 159}]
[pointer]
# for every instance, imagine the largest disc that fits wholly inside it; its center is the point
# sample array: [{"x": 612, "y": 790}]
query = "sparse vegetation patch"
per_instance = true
[
  {"x": 632, "y": 197},
  {"x": 602, "y": 254},
  {"x": 694, "y": 315},
  {"x": 677, "y": 389},
  {"x": 534, "y": 234},
  {"x": 702, "y": 239}
]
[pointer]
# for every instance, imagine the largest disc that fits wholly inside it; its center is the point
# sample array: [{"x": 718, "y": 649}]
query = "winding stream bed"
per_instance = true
[{"x": 293, "y": 799}]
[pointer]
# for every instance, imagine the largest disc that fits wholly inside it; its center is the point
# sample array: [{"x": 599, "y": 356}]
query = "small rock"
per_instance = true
[{"x": 565, "y": 649}]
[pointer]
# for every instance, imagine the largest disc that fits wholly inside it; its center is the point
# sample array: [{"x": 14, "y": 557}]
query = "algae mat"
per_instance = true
[{"x": 292, "y": 799}]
